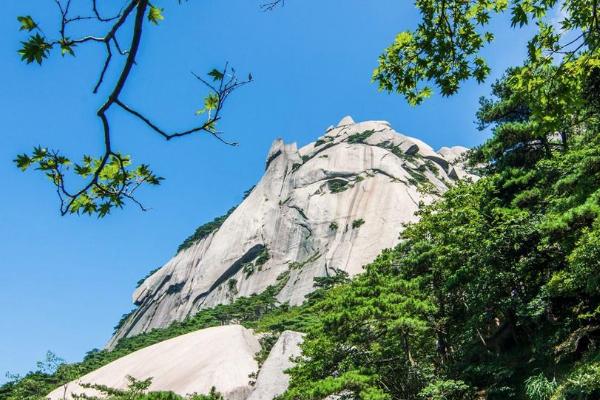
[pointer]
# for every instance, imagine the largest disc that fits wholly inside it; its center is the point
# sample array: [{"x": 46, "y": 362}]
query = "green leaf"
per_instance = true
[
  {"x": 66, "y": 47},
  {"x": 35, "y": 49},
  {"x": 27, "y": 23},
  {"x": 155, "y": 15},
  {"x": 104, "y": 209},
  {"x": 211, "y": 102},
  {"x": 216, "y": 75},
  {"x": 23, "y": 161},
  {"x": 519, "y": 16}
]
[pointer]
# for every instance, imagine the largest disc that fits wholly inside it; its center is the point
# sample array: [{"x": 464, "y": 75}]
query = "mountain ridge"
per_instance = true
[{"x": 330, "y": 206}]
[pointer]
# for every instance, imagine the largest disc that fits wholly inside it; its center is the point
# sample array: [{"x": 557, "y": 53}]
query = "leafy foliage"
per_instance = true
[
  {"x": 262, "y": 257},
  {"x": 337, "y": 185},
  {"x": 357, "y": 223},
  {"x": 446, "y": 47},
  {"x": 35, "y": 49},
  {"x": 360, "y": 137},
  {"x": 105, "y": 182},
  {"x": 139, "y": 390},
  {"x": 27, "y": 23},
  {"x": 114, "y": 180},
  {"x": 494, "y": 293},
  {"x": 155, "y": 14}
]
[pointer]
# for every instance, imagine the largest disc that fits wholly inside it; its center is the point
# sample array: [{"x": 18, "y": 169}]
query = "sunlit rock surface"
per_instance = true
[
  {"x": 272, "y": 379},
  {"x": 331, "y": 205},
  {"x": 222, "y": 357}
]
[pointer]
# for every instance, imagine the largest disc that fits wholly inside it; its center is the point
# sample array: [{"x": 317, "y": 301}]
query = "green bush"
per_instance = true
[
  {"x": 357, "y": 223},
  {"x": 360, "y": 137},
  {"x": 337, "y": 185}
]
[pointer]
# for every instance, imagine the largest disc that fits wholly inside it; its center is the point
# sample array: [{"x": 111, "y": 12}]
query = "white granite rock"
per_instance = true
[
  {"x": 347, "y": 120},
  {"x": 306, "y": 212},
  {"x": 272, "y": 380},
  {"x": 453, "y": 154},
  {"x": 222, "y": 357}
]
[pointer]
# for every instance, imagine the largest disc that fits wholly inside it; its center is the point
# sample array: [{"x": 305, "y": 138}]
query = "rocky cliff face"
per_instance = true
[{"x": 331, "y": 205}]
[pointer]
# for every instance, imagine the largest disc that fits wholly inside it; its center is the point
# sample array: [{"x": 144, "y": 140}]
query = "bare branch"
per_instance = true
[
  {"x": 110, "y": 180},
  {"x": 271, "y": 5},
  {"x": 104, "y": 69}
]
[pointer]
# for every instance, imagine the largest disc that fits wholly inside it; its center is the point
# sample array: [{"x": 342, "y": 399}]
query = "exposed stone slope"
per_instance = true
[
  {"x": 272, "y": 380},
  {"x": 331, "y": 205},
  {"x": 222, "y": 357}
]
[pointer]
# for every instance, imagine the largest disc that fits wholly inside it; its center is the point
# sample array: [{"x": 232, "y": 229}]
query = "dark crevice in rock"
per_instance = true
[
  {"x": 300, "y": 211},
  {"x": 439, "y": 161},
  {"x": 249, "y": 256},
  {"x": 165, "y": 280},
  {"x": 382, "y": 172},
  {"x": 322, "y": 149},
  {"x": 412, "y": 150},
  {"x": 132, "y": 321},
  {"x": 305, "y": 226}
]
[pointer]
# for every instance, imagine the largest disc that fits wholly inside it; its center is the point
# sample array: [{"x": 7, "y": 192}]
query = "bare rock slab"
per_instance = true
[
  {"x": 272, "y": 380},
  {"x": 222, "y": 357}
]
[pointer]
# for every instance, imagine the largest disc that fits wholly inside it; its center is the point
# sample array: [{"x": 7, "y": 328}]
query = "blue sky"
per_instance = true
[{"x": 65, "y": 281}]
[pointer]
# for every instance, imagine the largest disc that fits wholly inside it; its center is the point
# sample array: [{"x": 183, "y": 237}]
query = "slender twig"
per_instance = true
[
  {"x": 104, "y": 68},
  {"x": 271, "y": 5}
]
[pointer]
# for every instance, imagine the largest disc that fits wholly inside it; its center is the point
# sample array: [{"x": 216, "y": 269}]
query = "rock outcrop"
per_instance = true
[
  {"x": 331, "y": 205},
  {"x": 222, "y": 357},
  {"x": 272, "y": 380}
]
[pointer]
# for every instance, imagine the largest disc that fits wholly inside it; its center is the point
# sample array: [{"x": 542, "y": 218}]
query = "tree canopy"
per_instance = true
[{"x": 494, "y": 293}]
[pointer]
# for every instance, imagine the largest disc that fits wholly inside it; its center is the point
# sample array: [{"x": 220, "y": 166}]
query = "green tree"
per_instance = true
[
  {"x": 372, "y": 340},
  {"x": 445, "y": 48},
  {"x": 507, "y": 265}
]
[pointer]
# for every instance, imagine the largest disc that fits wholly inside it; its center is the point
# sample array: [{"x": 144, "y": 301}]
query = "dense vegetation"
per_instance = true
[{"x": 495, "y": 292}]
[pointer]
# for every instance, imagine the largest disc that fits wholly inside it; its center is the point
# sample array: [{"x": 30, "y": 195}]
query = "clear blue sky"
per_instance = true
[{"x": 65, "y": 281}]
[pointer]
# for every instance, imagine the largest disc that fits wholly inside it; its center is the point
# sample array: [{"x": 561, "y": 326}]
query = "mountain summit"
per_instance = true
[{"x": 327, "y": 207}]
